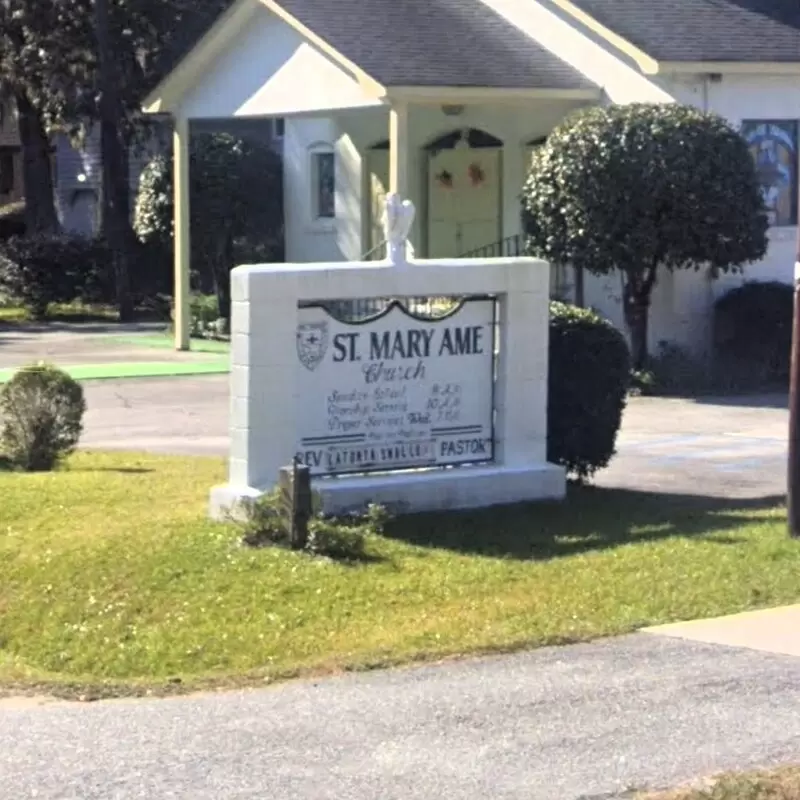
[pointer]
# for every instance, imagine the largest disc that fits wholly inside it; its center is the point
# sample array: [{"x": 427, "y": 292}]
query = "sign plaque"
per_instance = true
[{"x": 396, "y": 391}]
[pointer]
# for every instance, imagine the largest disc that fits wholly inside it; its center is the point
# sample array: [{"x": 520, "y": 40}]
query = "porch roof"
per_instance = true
[{"x": 377, "y": 46}]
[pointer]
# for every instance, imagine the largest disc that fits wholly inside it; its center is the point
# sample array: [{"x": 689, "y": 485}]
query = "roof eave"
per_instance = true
[
  {"x": 734, "y": 67},
  {"x": 646, "y": 63},
  {"x": 434, "y": 95}
]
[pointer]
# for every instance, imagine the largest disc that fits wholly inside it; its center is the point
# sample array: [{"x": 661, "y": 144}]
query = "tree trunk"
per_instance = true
[
  {"x": 37, "y": 169},
  {"x": 580, "y": 299},
  {"x": 637, "y": 312},
  {"x": 116, "y": 212},
  {"x": 637, "y": 289},
  {"x": 116, "y": 223},
  {"x": 222, "y": 278}
]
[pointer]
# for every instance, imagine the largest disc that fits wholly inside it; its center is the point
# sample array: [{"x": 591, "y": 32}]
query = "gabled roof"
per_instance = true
[
  {"x": 460, "y": 43},
  {"x": 743, "y": 31}
]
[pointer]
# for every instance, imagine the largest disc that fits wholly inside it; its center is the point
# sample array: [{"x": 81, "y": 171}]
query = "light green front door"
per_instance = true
[{"x": 464, "y": 200}]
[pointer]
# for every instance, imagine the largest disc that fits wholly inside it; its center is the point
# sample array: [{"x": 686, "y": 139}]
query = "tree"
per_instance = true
[
  {"x": 644, "y": 188},
  {"x": 236, "y": 202},
  {"x": 78, "y": 63},
  {"x": 28, "y": 42}
]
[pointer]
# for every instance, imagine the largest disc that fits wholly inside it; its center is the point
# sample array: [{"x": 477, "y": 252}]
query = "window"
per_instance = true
[
  {"x": 773, "y": 144},
  {"x": 323, "y": 184},
  {"x": 6, "y": 171}
]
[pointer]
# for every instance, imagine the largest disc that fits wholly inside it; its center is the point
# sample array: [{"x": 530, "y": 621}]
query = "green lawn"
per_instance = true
[
  {"x": 111, "y": 574},
  {"x": 779, "y": 784}
]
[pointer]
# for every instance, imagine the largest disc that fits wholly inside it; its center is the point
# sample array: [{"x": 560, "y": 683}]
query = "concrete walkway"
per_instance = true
[
  {"x": 774, "y": 630},
  {"x": 92, "y": 343}
]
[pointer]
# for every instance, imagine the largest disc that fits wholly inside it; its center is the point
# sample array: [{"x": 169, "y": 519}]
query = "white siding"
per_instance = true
[{"x": 272, "y": 71}]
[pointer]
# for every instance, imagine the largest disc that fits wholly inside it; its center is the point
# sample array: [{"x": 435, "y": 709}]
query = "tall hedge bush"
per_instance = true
[
  {"x": 236, "y": 208},
  {"x": 753, "y": 332},
  {"x": 589, "y": 366},
  {"x": 42, "y": 269}
]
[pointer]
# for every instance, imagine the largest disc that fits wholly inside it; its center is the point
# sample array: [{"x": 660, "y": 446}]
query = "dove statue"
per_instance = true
[{"x": 398, "y": 216}]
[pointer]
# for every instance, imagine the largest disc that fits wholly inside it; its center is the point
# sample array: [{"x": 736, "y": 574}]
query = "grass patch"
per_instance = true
[
  {"x": 778, "y": 784},
  {"x": 61, "y": 312},
  {"x": 111, "y": 575},
  {"x": 167, "y": 341}
]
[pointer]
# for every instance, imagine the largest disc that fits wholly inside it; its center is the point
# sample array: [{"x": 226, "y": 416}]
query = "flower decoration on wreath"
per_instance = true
[
  {"x": 476, "y": 174},
  {"x": 445, "y": 179}
]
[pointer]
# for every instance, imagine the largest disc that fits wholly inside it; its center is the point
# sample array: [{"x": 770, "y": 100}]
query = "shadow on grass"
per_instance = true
[
  {"x": 592, "y": 518},
  {"x": 118, "y": 470},
  {"x": 7, "y": 466}
]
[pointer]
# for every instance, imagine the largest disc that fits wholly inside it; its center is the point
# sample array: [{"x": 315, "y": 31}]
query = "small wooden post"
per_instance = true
[{"x": 295, "y": 499}]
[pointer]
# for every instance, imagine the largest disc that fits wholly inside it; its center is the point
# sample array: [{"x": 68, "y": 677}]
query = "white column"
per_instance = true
[
  {"x": 180, "y": 156},
  {"x": 398, "y": 149}
]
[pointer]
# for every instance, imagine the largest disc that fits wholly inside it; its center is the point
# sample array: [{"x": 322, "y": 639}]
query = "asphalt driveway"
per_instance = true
[
  {"x": 587, "y": 721},
  {"x": 723, "y": 448}
]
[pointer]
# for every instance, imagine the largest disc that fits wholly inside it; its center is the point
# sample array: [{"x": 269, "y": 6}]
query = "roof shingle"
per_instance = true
[
  {"x": 704, "y": 30},
  {"x": 460, "y": 43}
]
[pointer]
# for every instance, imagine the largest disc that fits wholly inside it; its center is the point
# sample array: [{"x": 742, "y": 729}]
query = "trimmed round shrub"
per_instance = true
[
  {"x": 589, "y": 374},
  {"x": 753, "y": 331},
  {"x": 641, "y": 189},
  {"x": 42, "y": 410}
]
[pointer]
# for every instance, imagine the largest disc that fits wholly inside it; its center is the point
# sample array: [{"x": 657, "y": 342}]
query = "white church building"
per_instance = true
[{"x": 442, "y": 101}]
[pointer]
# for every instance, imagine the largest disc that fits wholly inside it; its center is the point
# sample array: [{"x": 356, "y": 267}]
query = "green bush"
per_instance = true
[
  {"x": 53, "y": 268},
  {"x": 753, "y": 332},
  {"x": 205, "y": 319},
  {"x": 675, "y": 371},
  {"x": 340, "y": 538},
  {"x": 589, "y": 375},
  {"x": 41, "y": 409},
  {"x": 336, "y": 539}
]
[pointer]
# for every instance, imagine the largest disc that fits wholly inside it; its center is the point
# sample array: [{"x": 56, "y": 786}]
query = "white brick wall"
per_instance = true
[{"x": 264, "y": 364}]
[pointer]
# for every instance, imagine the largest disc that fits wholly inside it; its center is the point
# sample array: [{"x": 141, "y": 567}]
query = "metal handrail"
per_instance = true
[{"x": 510, "y": 247}]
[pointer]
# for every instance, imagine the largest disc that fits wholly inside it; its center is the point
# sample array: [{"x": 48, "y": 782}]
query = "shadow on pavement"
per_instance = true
[
  {"x": 771, "y": 400},
  {"x": 89, "y": 326},
  {"x": 592, "y": 519}
]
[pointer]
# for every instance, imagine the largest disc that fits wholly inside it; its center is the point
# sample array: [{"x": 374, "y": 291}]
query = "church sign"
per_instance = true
[{"x": 396, "y": 391}]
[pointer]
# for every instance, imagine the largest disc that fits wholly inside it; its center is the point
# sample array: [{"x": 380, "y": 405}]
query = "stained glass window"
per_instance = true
[
  {"x": 773, "y": 144},
  {"x": 324, "y": 185}
]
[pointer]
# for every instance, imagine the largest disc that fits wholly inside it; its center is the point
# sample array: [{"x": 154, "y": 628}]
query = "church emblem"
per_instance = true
[{"x": 312, "y": 343}]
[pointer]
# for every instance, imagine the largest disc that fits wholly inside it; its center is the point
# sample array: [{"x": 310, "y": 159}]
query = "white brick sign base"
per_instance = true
[{"x": 264, "y": 382}]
